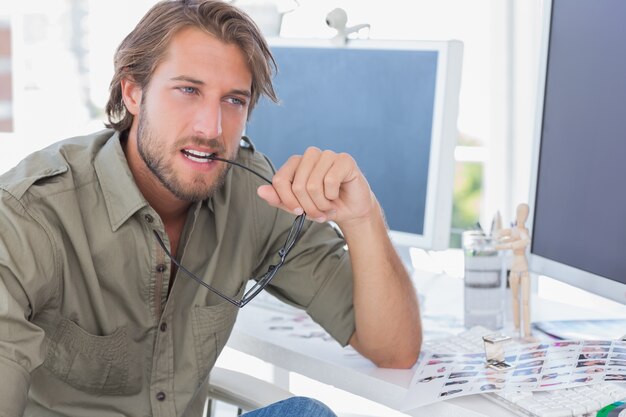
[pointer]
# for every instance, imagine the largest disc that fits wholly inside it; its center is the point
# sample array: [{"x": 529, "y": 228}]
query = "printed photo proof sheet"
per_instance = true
[{"x": 537, "y": 366}]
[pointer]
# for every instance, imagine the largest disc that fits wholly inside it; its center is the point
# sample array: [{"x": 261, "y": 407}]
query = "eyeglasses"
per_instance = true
[{"x": 261, "y": 282}]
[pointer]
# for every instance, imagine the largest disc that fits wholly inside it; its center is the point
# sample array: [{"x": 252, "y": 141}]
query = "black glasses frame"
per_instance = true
[{"x": 262, "y": 281}]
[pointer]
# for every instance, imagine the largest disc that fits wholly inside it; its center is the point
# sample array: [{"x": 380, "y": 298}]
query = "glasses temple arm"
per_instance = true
[
  {"x": 215, "y": 158},
  {"x": 228, "y": 161}
]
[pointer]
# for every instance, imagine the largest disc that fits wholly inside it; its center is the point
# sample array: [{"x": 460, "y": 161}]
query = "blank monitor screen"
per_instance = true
[
  {"x": 579, "y": 218},
  {"x": 378, "y": 104}
]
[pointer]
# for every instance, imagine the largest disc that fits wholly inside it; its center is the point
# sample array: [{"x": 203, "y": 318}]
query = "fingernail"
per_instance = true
[
  {"x": 321, "y": 219},
  {"x": 298, "y": 211}
]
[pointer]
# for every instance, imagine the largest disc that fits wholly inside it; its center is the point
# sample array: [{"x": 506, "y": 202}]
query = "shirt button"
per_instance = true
[
  {"x": 161, "y": 268},
  {"x": 163, "y": 327},
  {"x": 160, "y": 396},
  {"x": 148, "y": 218}
]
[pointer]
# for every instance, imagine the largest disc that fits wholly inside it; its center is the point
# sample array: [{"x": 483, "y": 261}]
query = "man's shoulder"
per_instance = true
[{"x": 49, "y": 165}]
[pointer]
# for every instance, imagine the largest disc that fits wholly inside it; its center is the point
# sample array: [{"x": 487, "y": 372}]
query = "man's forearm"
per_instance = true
[{"x": 388, "y": 327}]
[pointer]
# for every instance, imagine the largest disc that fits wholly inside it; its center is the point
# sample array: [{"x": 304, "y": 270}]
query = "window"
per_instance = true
[{"x": 6, "y": 83}]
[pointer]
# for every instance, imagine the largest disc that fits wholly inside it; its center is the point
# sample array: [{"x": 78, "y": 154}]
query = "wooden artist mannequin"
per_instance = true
[{"x": 517, "y": 238}]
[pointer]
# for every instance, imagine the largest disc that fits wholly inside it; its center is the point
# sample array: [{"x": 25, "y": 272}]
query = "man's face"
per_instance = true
[{"x": 195, "y": 105}]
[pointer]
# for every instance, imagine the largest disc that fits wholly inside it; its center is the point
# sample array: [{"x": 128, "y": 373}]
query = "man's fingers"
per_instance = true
[
  {"x": 311, "y": 183},
  {"x": 305, "y": 186},
  {"x": 342, "y": 171},
  {"x": 282, "y": 183},
  {"x": 268, "y": 193},
  {"x": 319, "y": 186}
]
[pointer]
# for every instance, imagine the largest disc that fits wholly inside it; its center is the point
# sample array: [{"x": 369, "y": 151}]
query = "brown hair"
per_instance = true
[{"x": 144, "y": 48}]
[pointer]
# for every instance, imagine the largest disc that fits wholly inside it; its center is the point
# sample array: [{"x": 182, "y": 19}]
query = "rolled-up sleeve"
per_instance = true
[
  {"x": 317, "y": 276},
  {"x": 332, "y": 304}
]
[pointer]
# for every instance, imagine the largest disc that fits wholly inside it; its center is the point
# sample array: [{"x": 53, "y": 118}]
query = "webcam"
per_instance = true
[{"x": 337, "y": 19}]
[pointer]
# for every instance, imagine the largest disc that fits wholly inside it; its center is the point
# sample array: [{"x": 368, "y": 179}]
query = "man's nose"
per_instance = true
[{"x": 208, "y": 120}]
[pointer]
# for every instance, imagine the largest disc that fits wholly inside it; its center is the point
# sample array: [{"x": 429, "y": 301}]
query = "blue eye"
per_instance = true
[
  {"x": 189, "y": 90},
  {"x": 236, "y": 101}
]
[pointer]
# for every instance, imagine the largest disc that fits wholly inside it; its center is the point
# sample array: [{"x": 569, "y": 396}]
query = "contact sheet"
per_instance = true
[{"x": 535, "y": 366}]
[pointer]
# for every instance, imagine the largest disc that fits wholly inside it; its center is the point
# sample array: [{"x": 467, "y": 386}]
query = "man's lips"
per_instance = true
[{"x": 198, "y": 156}]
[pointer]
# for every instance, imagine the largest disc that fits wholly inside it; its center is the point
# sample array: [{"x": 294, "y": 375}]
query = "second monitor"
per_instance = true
[{"x": 392, "y": 105}]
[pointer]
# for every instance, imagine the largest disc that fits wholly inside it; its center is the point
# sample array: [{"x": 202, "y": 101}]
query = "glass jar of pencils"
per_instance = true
[{"x": 485, "y": 281}]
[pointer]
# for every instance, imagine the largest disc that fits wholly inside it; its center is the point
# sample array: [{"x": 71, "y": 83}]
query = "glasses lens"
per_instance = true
[
  {"x": 260, "y": 284},
  {"x": 292, "y": 237},
  {"x": 291, "y": 240}
]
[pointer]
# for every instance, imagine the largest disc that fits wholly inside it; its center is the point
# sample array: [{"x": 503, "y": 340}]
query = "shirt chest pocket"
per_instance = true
[
  {"x": 212, "y": 326},
  {"x": 97, "y": 364}
]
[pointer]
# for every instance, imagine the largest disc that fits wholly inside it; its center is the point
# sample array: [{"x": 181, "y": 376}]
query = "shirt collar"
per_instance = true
[
  {"x": 211, "y": 205},
  {"x": 121, "y": 194}
]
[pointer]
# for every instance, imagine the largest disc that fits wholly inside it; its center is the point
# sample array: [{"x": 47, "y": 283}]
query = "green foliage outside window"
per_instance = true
[{"x": 466, "y": 199}]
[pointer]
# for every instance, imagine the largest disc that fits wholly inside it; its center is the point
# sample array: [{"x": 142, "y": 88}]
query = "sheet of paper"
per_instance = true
[{"x": 535, "y": 367}]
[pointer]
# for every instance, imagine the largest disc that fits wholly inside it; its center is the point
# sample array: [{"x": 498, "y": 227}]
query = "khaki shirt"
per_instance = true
[{"x": 88, "y": 323}]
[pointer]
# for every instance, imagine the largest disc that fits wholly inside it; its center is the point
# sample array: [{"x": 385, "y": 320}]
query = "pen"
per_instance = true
[{"x": 496, "y": 225}]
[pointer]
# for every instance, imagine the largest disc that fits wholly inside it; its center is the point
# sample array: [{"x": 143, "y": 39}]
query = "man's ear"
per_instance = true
[{"x": 131, "y": 94}]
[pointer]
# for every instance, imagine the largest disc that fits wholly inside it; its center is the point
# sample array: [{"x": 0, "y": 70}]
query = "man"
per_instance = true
[{"x": 95, "y": 319}]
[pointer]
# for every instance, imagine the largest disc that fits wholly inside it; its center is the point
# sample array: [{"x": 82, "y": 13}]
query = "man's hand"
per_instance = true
[{"x": 324, "y": 184}]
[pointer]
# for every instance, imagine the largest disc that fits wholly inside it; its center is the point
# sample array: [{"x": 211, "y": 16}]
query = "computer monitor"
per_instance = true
[
  {"x": 578, "y": 200},
  {"x": 392, "y": 105}
]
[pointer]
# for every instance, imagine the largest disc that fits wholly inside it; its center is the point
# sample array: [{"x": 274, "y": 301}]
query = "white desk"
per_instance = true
[{"x": 265, "y": 334}]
